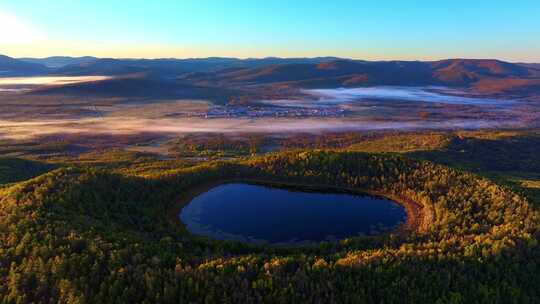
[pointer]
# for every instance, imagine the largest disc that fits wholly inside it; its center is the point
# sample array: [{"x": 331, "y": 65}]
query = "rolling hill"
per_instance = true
[
  {"x": 218, "y": 75},
  {"x": 14, "y": 67},
  {"x": 139, "y": 87},
  {"x": 484, "y": 76},
  {"x": 445, "y": 72},
  {"x": 172, "y": 67},
  {"x": 60, "y": 61},
  {"x": 466, "y": 71},
  {"x": 531, "y": 65}
]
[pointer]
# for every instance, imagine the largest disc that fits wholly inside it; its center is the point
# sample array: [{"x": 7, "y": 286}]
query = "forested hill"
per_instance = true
[{"x": 77, "y": 235}]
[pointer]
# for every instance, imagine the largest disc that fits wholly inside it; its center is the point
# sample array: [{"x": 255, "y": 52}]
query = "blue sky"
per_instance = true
[{"x": 508, "y": 30}]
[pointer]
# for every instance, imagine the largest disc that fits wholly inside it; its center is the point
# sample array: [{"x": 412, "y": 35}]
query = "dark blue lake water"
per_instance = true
[{"x": 257, "y": 213}]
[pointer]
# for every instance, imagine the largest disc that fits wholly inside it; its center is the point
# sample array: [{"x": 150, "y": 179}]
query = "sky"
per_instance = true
[{"x": 371, "y": 30}]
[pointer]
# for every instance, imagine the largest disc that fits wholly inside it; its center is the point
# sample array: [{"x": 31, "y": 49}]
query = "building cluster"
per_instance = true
[{"x": 255, "y": 112}]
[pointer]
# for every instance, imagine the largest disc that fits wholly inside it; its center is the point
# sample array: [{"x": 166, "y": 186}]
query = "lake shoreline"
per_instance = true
[{"x": 416, "y": 216}]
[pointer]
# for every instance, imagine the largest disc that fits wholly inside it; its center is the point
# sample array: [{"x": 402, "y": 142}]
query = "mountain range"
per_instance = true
[
  {"x": 453, "y": 72},
  {"x": 14, "y": 67},
  {"x": 484, "y": 76},
  {"x": 60, "y": 61}
]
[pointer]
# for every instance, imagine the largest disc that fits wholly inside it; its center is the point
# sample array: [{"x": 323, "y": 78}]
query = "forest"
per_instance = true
[{"x": 98, "y": 234}]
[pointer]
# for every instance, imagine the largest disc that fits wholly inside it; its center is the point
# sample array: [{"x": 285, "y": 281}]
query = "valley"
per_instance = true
[{"x": 247, "y": 96}]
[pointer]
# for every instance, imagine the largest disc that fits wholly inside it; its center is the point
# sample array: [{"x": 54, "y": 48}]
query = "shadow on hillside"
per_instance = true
[
  {"x": 510, "y": 154},
  {"x": 16, "y": 169}
]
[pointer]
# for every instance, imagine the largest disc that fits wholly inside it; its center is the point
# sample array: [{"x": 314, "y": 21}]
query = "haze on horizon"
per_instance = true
[{"x": 368, "y": 30}]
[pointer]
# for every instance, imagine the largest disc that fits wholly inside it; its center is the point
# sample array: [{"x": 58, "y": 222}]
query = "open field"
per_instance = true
[{"x": 35, "y": 116}]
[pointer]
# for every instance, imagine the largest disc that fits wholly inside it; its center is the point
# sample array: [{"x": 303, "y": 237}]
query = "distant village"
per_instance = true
[{"x": 258, "y": 112}]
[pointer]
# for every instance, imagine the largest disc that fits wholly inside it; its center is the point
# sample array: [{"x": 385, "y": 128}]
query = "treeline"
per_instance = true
[
  {"x": 218, "y": 145},
  {"x": 89, "y": 236}
]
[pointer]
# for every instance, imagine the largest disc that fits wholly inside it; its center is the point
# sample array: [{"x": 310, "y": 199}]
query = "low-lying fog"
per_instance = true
[
  {"x": 347, "y": 98},
  {"x": 376, "y": 108},
  {"x": 417, "y": 94},
  {"x": 23, "y": 84},
  {"x": 21, "y": 130},
  {"x": 48, "y": 80}
]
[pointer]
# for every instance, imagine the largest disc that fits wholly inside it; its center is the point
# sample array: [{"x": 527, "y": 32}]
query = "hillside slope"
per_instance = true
[
  {"x": 14, "y": 67},
  {"x": 482, "y": 76},
  {"x": 139, "y": 86}
]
